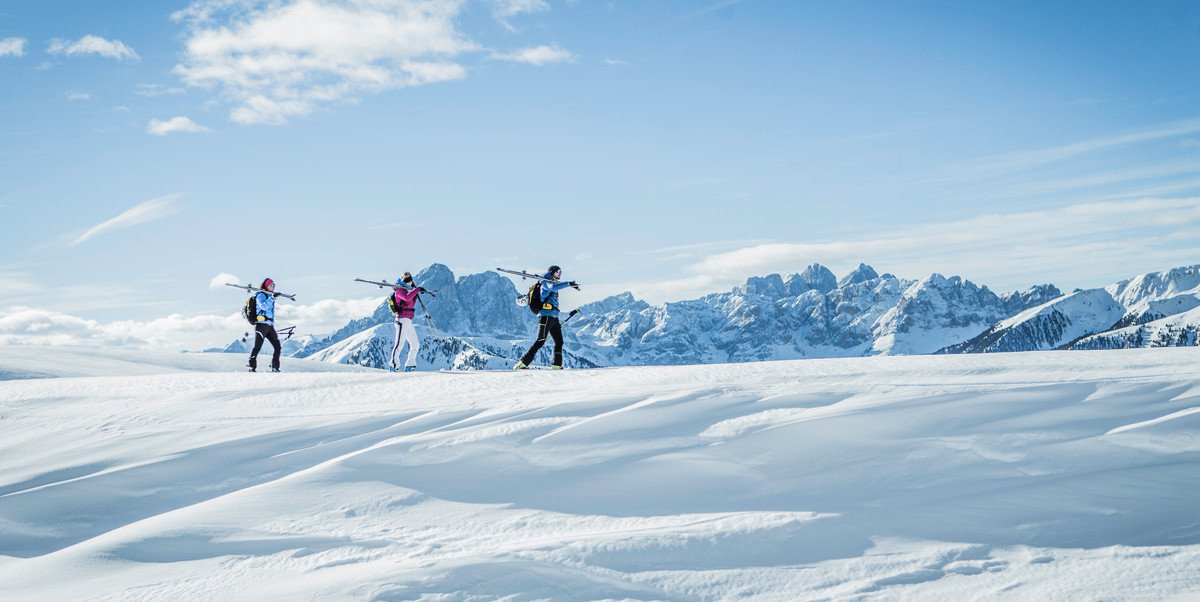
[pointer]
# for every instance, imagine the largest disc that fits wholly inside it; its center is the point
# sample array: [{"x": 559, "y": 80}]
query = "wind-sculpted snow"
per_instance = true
[{"x": 1017, "y": 476}]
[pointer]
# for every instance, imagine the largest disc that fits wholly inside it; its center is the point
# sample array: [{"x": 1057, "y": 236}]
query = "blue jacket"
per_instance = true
[
  {"x": 264, "y": 304},
  {"x": 550, "y": 295}
]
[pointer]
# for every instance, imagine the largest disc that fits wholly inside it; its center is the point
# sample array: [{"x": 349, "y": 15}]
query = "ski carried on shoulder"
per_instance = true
[
  {"x": 255, "y": 289},
  {"x": 382, "y": 284},
  {"x": 523, "y": 274},
  {"x": 424, "y": 310}
]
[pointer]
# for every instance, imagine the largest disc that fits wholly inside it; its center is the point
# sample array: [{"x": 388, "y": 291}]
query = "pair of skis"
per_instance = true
[
  {"x": 523, "y": 274},
  {"x": 523, "y": 301},
  {"x": 424, "y": 310},
  {"x": 255, "y": 289}
]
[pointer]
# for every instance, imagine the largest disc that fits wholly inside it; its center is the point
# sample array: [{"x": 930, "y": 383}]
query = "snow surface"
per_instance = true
[{"x": 1048, "y": 475}]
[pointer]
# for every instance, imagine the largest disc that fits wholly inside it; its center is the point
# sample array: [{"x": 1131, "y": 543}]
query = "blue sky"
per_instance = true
[{"x": 666, "y": 147}]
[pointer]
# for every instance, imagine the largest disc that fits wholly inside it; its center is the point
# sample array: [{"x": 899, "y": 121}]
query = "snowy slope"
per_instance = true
[
  {"x": 1156, "y": 285},
  {"x": 1178, "y": 330},
  {"x": 1048, "y": 326},
  {"x": 36, "y": 361},
  {"x": 1028, "y": 476}
]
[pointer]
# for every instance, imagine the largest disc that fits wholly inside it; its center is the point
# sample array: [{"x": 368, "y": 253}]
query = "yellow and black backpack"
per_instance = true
[{"x": 535, "y": 298}]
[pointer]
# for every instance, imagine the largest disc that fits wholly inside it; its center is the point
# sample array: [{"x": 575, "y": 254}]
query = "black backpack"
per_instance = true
[
  {"x": 535, "y": 298},
  {"x": 250, "y": 311}
]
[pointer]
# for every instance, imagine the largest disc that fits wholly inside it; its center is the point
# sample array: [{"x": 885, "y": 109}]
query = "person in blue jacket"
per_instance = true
[
  {"x": 264, "y": 328},
  {"x": 548, "y": 324}
]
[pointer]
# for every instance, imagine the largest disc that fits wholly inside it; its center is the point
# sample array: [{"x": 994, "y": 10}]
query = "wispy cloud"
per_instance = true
[
  {"x": 90, "y": 44},
  {"x": 151, "y": 210},
  {"x": 503, "y": 10},
  {"x": 16, "y": 282},
  {"x": 712, "y": 8},
  {"x": 175, "y": 125},
  {"x": 615, "y": 63},
  {"x": 1004, "y": 164},
  {"x": 1090, "y": 242},
  {"x": 12, "y": 47},
  {"x": 78, "y": 96},
  {"x": 153, "y": 90},
  {"x": 537, "y": 55},
  {"x": 277, "y": 61}
]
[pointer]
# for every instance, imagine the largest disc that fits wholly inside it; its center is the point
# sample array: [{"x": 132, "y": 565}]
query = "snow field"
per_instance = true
[{"x": 1055, "y": 475}]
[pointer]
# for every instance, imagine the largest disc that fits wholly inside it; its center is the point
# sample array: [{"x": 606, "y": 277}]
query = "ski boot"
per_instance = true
[
  {"x": 556, "y": 367},
  {"x": 410, "y": 368},
  {"x": 520, "y": 366}
]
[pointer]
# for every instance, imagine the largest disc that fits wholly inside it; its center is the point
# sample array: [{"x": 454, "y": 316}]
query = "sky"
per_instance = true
[{"x": 151, "y": 150}]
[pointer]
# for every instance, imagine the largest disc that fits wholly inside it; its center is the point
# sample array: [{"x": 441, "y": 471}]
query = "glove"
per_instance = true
[
  {"x": 421, "y": 289},
  {"x": 573, "y": 284},
  {"x": 276, "y": 295}
]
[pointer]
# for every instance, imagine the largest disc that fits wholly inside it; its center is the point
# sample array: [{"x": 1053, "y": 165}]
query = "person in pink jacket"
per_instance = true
[{"x": 402, "y": 303}]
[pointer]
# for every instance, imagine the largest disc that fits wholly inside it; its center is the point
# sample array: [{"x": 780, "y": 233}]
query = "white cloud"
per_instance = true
[
  {"x": 220, "y": 280},
  {"x": 537, "y": 55},
  {"x": 326, "y": 315},
  {"x": 1092, "y": 243},
  {"x": 78, "y": 96},
  {"x": 120, "y": 109},
  {"x": 276, "y": 61},
  {"x": 89, "y": 44},
  {"x": 28, "y": 326},
  {"x": 175, "y": 125},
  {"x": 12, "y": 47},
  {"x": 151, "y": 210},
  {"x": 615, "y": 63}
]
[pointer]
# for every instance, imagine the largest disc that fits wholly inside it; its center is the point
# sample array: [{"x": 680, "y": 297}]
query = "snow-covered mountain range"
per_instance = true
[{"x": 476, "y": 325}]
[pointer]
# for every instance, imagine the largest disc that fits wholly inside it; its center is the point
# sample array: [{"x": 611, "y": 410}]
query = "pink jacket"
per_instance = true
[{"x": 405, "y": 299}]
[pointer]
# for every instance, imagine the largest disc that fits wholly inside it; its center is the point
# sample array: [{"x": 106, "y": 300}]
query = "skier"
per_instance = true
[
  {"x": 402, "y": 303},
  {"x": 548, "y": 324},
  {"x": 264, "y": 327}
]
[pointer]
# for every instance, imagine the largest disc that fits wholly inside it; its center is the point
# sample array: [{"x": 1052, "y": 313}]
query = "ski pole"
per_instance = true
[{"x": 426, "y": 312}]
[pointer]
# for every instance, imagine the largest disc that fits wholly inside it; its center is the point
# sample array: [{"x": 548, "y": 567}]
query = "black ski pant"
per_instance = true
[
  {"x": 265, "y": 332},
  {"x": 547, "y": 326}
]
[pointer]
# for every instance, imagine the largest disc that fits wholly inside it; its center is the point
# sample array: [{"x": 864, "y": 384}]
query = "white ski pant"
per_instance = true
[{"x": 406, "y": 333}]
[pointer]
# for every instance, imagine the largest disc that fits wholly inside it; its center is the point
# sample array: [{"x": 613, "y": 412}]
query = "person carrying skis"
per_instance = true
[
  {"x": 264, "y": 327},
  {"x": 403, "y": 305},
  {"x": 548, "y": 324}
]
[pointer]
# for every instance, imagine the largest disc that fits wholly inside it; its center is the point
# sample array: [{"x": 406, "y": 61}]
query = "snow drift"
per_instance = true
[{"x": 1051, "y": 475}]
